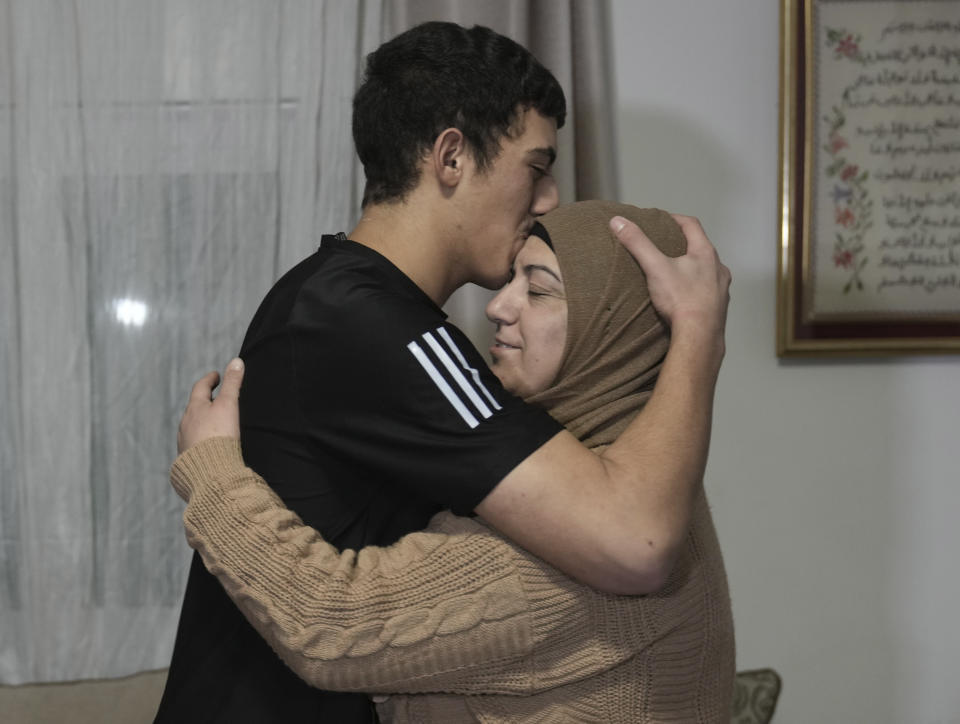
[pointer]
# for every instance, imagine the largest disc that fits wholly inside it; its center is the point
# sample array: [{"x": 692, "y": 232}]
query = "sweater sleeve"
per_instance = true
[{"x": 454, "y": 609}]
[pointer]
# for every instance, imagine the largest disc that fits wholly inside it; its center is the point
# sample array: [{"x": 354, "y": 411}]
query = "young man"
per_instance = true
[{"x": 367, "y": 412}]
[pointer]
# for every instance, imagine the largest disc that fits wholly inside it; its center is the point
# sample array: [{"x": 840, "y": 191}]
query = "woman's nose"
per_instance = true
[{"x": 502, "y": 309}]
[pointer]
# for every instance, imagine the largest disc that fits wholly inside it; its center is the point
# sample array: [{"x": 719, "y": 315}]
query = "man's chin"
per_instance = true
[{"x": 494, "y": 283}]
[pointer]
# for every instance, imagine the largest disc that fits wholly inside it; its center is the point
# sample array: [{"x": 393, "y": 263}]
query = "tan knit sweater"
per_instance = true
[{"x": 458, "y": 623}]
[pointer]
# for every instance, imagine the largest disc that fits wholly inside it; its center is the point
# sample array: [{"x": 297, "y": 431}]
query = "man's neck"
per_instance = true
[{"x": 414, "y": 243}]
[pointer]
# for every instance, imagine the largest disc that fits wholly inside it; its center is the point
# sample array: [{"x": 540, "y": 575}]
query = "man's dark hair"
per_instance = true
[{"x": 440, "y": 75}]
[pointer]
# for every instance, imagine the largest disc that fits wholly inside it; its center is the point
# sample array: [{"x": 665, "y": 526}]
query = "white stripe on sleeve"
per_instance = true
[
  {"x": 457, "y": 375},
  {"x": 463, "y": 363},
  {"x": 441, "y": 383}
]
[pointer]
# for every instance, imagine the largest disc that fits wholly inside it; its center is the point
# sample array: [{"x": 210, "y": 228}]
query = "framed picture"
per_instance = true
[{"x": 869, "y": 192}]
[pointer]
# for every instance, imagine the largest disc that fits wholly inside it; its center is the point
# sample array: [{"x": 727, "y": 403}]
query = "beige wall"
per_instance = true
[{"x": 834, "y": 484}]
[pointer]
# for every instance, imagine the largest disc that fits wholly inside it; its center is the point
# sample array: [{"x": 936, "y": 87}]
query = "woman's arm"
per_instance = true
[{"x": 453, "y": 609}]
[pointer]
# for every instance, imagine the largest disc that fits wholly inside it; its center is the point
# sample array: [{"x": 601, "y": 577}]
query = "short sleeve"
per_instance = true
[{"x": 391, "y": 386}]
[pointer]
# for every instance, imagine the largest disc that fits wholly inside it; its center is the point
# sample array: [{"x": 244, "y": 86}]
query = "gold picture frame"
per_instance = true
[{"x": 869, "y": 186}]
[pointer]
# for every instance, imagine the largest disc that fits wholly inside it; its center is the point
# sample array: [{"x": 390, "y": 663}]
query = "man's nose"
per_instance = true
[{"x": 546, "y": 196}]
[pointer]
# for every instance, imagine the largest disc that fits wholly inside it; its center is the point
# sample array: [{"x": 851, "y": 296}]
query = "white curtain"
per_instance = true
[{"x": 162, "y": 162}]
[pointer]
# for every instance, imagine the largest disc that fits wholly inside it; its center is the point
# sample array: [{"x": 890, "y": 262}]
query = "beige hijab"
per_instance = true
[{"x": 615, "y": 341}]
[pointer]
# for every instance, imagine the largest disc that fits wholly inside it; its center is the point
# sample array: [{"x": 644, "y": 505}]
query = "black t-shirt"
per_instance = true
[{"x": 367, "y": 413}]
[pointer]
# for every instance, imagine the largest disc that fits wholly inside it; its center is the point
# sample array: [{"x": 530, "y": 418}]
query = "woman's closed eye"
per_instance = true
[
  {"x": 543, "y": 282},
  {"x": 534, "y": 291}
]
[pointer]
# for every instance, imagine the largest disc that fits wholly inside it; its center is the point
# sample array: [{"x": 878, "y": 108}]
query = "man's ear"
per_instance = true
[{"x": 449, "y": 156}]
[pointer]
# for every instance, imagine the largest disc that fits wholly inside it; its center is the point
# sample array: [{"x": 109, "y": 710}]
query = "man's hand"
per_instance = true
[
  {"x": 689, "y": 290},
  {"x": 206, "y": 417}
]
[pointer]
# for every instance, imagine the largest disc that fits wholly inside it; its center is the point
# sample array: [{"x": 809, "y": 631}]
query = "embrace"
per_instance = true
[{"x": 590, "y": 585}]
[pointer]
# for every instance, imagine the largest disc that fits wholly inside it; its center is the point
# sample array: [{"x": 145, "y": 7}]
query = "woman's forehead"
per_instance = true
[{"x": 535, "y": 251}]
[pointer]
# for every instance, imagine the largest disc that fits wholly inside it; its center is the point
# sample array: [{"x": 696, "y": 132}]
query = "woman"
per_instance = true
[{"x": 456, "y": 611}]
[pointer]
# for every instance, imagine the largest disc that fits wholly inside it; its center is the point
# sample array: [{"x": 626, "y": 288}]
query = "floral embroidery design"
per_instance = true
[
  {"x": 845, "y": 45},
  {"x": 852, "y": 207}
]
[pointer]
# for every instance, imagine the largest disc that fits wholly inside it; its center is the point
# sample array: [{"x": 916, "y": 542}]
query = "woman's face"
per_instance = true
[{"x": 530, "y": 314}]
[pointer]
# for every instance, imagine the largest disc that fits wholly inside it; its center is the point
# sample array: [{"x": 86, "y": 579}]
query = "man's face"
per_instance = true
[{"x": 501, "y": 203}]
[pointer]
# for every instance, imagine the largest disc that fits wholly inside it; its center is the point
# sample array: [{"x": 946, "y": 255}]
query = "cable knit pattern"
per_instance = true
[{"x": 456, "y": 609}]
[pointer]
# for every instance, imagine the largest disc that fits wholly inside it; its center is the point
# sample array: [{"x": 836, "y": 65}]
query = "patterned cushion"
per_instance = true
[{"x": 755, "y": 696}]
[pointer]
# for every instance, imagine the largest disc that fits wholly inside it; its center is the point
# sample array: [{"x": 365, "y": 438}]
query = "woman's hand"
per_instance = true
[{"x": 206, "y": 416}]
